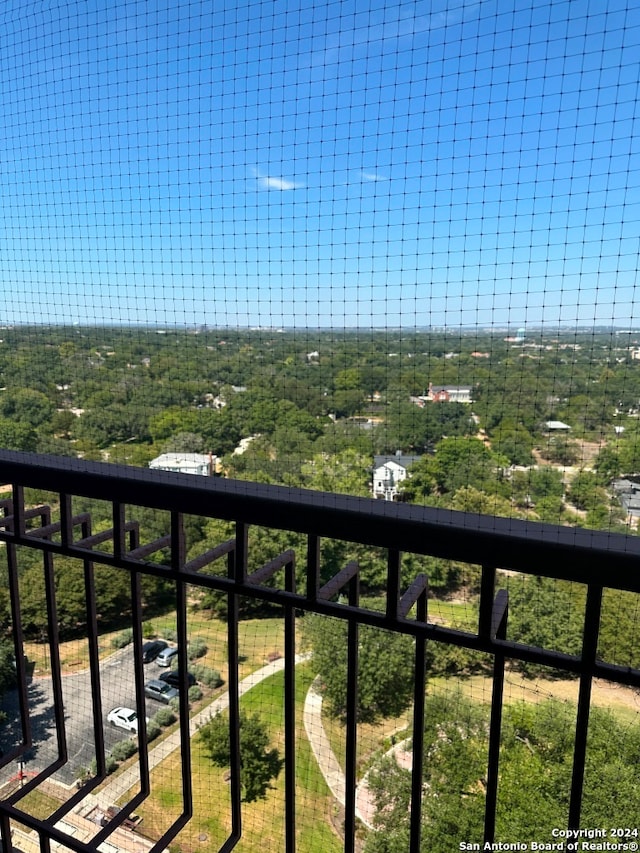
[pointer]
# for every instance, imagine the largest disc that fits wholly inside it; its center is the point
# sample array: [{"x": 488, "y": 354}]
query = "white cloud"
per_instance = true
[
  {"x": 372, "y": 176},
  {"x": 269, "y": 183}
]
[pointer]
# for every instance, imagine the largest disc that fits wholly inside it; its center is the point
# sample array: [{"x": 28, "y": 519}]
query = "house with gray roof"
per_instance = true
[{"x": 388, "y": 473}]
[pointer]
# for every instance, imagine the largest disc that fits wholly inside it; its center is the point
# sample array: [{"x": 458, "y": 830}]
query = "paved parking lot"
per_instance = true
[{"x": 117, "y": 688}]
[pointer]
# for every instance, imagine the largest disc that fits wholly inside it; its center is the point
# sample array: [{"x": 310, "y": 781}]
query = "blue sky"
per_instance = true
[{"x": 369, "y": 163}]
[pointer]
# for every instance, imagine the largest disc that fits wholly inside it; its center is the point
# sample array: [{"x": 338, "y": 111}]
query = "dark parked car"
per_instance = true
[
  {"x": 152, "y": 649},
  {"x": 173, "y": 678},
  {"x": 160, "y": 690}
]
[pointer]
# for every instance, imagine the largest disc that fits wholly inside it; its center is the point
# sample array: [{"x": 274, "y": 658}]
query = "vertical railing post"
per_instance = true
[
  {"x": 313, "y": 567},
  {"x": 290, "y": 710},
  {"x": 119, "y": 536},
  {"x": 53, "y": 640},
  {"x": 497, "y": 630},
  {"x": 590, "y": 634},
  {"x": 351, "y": 758},
  {"x": 394, "y": 563},
  {"x": 16, "y": 616},
  {"x": 94, "y": 654},
  {"x": 487, "y": 593},
  {"x": 5, "y": 834},
  {"x": 419, "y": 703},
  {"x": 238, "y": 559},
  {"x": 178, "y": 548}
]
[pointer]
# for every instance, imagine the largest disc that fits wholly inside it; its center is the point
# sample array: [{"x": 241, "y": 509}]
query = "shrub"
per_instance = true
[
  {"x": 153, "y": 730},
  {"x": 174, "y": 704},
  {"x": 197, "y": 648},
  {"x": 164, "y": 717},
  {"x": 122, "y": 639},
  {"x": 170, "y": 635},
  {"x": 123, "y": 749},
  {"x": 195, "y": 693},
  {"x": 208, "y": 676},
  {"x": 148, "y": 630},
  {"x": 112, "y": 766}
]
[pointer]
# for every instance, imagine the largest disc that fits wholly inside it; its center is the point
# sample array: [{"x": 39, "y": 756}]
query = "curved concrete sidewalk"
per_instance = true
[
  {"x": 118, "y": 787},
  {"x": 327, "y": 761},
  {"x": 329, "y": 766}
]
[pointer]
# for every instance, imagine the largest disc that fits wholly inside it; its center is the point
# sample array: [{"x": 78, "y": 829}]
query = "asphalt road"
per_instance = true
[{"x": 117, "y": 688}]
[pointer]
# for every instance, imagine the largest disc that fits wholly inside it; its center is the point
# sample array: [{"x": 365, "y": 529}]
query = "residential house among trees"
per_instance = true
[
  {"x": 203, "y": 464},
  {"x": 388, "y": 473},
  {"x": 628, "y": 493},
  {"x": 556, "y": 426},
  {"x": 449, "y": 394}
]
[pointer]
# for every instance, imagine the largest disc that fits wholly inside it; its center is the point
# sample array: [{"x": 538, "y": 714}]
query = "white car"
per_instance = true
[{"x": 124, "y": 718}]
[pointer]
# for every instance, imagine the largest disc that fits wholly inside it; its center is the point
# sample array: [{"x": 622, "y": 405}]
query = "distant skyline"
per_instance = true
[{"x": 238, "y": 164}]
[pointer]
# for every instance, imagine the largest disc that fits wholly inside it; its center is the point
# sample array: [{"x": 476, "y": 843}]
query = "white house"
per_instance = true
[
  {"x": 388, "y": 473},
  {"x": 185, "y": 463}
]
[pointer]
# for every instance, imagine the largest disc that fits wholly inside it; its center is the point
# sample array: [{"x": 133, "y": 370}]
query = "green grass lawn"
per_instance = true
[{"x": 263, "y": 821}]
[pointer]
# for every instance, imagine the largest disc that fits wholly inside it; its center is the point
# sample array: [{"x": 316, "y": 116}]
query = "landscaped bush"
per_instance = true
[
  {"x": 123, "y": 749},
  {"x": 197, "y": 648},
  {"x": 122, "y": 639},
  {"x": 195, "y": 693},
  {"x": 174, "y": 704},
  {"x": 164, "y": 717},
  {"x": 208, "y": 676},
  {"x": 153, "y": 730},
  {"x": 148, "y": 630},
  {"x": 111, "y": 766},
  {"x": 170, "y": 635}
]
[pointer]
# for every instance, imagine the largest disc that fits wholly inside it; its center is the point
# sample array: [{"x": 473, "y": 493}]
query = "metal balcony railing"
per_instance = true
[{"x": 47, "y": 524}]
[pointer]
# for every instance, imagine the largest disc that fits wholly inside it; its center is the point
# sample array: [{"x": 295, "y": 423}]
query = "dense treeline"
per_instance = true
[
  {"x": 43, "y": 370},
  {"x": 317, "y": 406},
  {"x": 536, "y": 758},
  {"x": 125, "y": 393}
]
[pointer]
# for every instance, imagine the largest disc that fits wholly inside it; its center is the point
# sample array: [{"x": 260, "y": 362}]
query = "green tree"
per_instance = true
[
  {"x": 547, "y": 613},
  {"x": 346, "y": 473},
  {"x": 63, "y": 423},
  {"x": 17, "y": 436},
  {"x": 586, "y": 493},
  {"x": 608, "y": 464},
  {"x": 7, "y": 666},
  {"x": 529, "y": 487},
  {"x": 259, "y": 764},
  {"x": 416, "y": 429},
  {"x": 561, "y": 450},
  {"x": 458, "y": 462},
  {"x": 470, "y": 499},
  {"x": 171, "y": 421},
  {"x": 27, "y": 406},
  {"x": 184, "y": 442},
  {"x": 513, "y": 441},
  {"x": 385, "y": 667},
  {"x": 114, "y": 423},
  {"x": 629, "y": 452},
  {"x": 536, "y": 756},
  {"x": 345, "y": 404}
]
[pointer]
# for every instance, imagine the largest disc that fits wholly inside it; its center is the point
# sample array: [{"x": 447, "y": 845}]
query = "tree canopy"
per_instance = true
[
  {"x": 385, "y": 667},
  {"x": 536, "y": 756},
  {"x": 259, "y": 764}
]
